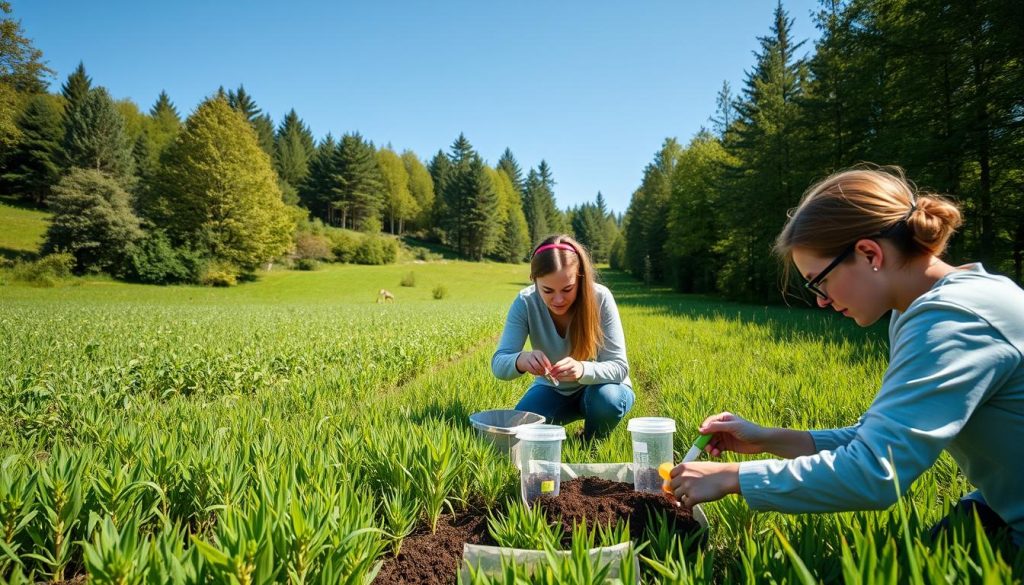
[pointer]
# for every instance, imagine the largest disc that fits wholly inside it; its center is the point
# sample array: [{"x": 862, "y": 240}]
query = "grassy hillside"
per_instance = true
[{"x": 21, "y": 230}]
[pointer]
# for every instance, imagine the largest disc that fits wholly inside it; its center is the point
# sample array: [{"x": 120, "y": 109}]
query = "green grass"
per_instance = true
[
  {"x": 22, "y": 230},
  {"x": 260, "y": 429}
]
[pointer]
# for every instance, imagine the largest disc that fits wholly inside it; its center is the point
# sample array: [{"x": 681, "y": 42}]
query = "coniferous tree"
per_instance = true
[
  {"x": 92, "y": 220},
  {"x": 458, "y": 194},
  {"x": 512, "y": 241},
  {"x": 440, "y": 168},
  {"x": 216, "y": 189},
  {"x": 164, "y": 124},
  {"x": 76, "y": 87},
  {"x": 508, "y": 163},
  {"x": 33, "y": 167},
  {"x": 765, "y": 179},
  {"x": 95, "y": 137},
  {"x": 293, "y": 148},
  {"x": 358, "y": 191},
  {"x": 546, "y": 199},
  {"x": 316, "y": 191},
  {"x": 648, "y": 213},
  {"x": 534, "y": 208},
  {"x": 481, "y": 207}
]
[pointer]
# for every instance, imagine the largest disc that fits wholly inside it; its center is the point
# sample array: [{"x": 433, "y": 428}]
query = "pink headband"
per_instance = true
[{"x": 555, "y": 247}]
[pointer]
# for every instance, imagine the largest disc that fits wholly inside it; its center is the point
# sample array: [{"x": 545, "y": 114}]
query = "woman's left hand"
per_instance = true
[
  {"x": 567, "y": 369},
  {"x": 704, "y": 481}
]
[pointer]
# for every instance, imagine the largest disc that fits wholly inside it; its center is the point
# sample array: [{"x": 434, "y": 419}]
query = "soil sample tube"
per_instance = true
[
  {"x": 540, "y": 460},
  {"x": 652, "y": 446}
]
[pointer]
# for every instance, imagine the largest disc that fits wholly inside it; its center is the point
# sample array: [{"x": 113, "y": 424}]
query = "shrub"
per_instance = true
[
  {"x": 46, "y": 271},
  {"x": 219, "y": 273},
  {"x": 92, "y": 219},
  {"x": 343, "y": 244},
  {"x": 440, "y": 292},
  {"x": 306, "y": 264},
  {"x": 409, "y": 279},
  {"x": 309, "y": 246},
  {"x": 153, "y": 260},
  {"x": 375, "y": 249}
]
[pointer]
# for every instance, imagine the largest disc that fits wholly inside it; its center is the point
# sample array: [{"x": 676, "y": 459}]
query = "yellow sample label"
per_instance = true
[{"x": 547, "y": 486}]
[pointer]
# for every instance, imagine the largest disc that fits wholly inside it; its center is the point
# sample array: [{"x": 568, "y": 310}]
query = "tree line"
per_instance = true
[
  {"x": 148, "y": 196},
  {"x": 934, "y": 87}
]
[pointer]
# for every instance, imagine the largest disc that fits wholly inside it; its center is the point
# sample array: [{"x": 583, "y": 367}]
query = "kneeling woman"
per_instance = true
[
  {"x": 579, "y": 354},
  {"x": 867, "y": 245}
]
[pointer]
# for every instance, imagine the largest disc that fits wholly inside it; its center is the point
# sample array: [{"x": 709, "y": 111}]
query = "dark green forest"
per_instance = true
[
  {"x": 934, "y": 87},
  {"x": 154, "y": 196}
]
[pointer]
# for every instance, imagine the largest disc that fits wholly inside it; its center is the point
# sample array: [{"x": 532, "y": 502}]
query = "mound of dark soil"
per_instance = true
[{"x": 434, "y": 559}]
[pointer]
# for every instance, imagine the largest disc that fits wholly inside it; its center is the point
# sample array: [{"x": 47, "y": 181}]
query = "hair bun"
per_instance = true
[{"x": 933, "y": 222}]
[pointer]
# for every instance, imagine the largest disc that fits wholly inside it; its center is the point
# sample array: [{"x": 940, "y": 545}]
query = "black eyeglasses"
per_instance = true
[{"x": 812, "y": 284}]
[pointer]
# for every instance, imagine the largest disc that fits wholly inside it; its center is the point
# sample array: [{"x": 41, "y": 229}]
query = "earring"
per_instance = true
[{"x": 875, "y": 268}]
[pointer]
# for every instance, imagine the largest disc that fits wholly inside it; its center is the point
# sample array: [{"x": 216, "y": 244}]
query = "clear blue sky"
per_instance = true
[{"x": 592, "y": 87}]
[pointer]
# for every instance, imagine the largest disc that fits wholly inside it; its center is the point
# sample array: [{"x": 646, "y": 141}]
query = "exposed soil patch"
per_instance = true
[
  {"x": 434, "y": 559},
  {"x": 604, "y": 502}
]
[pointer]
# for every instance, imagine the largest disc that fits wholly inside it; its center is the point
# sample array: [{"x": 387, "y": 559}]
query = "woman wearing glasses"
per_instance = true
[
  {"x": 578, "y": 352},
  {"x": 867, "y": 245}
]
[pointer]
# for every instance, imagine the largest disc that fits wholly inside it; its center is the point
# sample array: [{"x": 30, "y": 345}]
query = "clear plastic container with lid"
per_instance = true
[
  {"x": 652, "y": 446},
  {"x": 540, "y": 460}
]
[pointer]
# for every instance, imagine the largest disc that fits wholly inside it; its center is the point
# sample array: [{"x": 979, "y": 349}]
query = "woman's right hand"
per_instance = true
[
  {"x": 733, "y": 433},
  {"x": 533, "y": 362}
]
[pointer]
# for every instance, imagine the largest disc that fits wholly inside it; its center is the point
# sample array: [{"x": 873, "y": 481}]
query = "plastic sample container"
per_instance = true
[
  {"x": 540, "y": 460},
  {"x": 652, "y": 446}
]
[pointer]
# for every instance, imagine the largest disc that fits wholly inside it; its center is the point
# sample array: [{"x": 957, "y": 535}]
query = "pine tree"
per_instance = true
[
  {"x": 92, "y": 220},
  {"x": 481, "y": 206},
  {"x": 33, "y": 167},
  {"x": 457, "y": 193},
  {"x": 534, "y": 209},
  {"x": 95, "y": 137},
  {"x": 513, "y": 238},
  {"x": 508, "y": 163},
  {"x": 399, "y": 205},
  {"x": 316, "y": 191},
  {"x": 555, "y": 218},
  {"x": 216, "y": 189},
  {"x": 76, "y": 87},
  {"x": 765, "y": 180},
  {"x": 165, "y": 123},
  {"x": 293, "y": 147},
  {"x": 440, "y": 168},
  {"x": 358, "y": 192},
  {"x": 421, "y": 187},
  {"x": 21, "y": 64}
]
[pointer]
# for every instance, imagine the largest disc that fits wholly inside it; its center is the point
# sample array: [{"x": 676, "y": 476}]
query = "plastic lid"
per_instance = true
[
  {"x": 652, "y": 424},
  {"x": 541, "y": 433}
]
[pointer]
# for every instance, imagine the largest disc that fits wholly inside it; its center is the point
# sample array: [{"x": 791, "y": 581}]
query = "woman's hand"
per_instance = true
[
  {"x": 567, "y": 369},
  {"x": 701, "y": 481},
  {"x": 533, "y": 362},
  {"x": 732, "y": 433}
]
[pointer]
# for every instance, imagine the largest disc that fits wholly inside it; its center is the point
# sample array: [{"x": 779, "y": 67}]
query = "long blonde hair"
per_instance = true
[
  {"x": 585, "y": 334},
  {"x": 863, "y": 203}
]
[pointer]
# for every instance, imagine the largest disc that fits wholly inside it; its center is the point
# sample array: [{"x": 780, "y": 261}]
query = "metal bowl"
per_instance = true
[{"x": 499, "y": 426}]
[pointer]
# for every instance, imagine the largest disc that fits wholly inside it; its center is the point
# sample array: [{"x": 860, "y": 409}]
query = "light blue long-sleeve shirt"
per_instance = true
[
  {"x": 529, "y": 317},
  {"x": 955, "y": 381}
]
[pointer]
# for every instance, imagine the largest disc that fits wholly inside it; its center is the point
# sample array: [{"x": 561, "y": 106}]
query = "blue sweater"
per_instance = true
[
  {"x": 529, "y": 317},
  {"x": 955, "y": 381}
]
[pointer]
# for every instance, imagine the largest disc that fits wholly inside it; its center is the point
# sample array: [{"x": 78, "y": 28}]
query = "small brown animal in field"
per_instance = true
[{"x": 384, "y": 296}]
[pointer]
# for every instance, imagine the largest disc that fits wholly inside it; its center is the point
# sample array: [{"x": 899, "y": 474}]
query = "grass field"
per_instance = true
[
  {"x": 293, "y": 430},
  {"x": 22, "y": 230}
]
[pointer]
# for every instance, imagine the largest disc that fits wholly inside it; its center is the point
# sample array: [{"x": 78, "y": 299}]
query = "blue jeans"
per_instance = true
[{"x": 601, "y": 406}]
